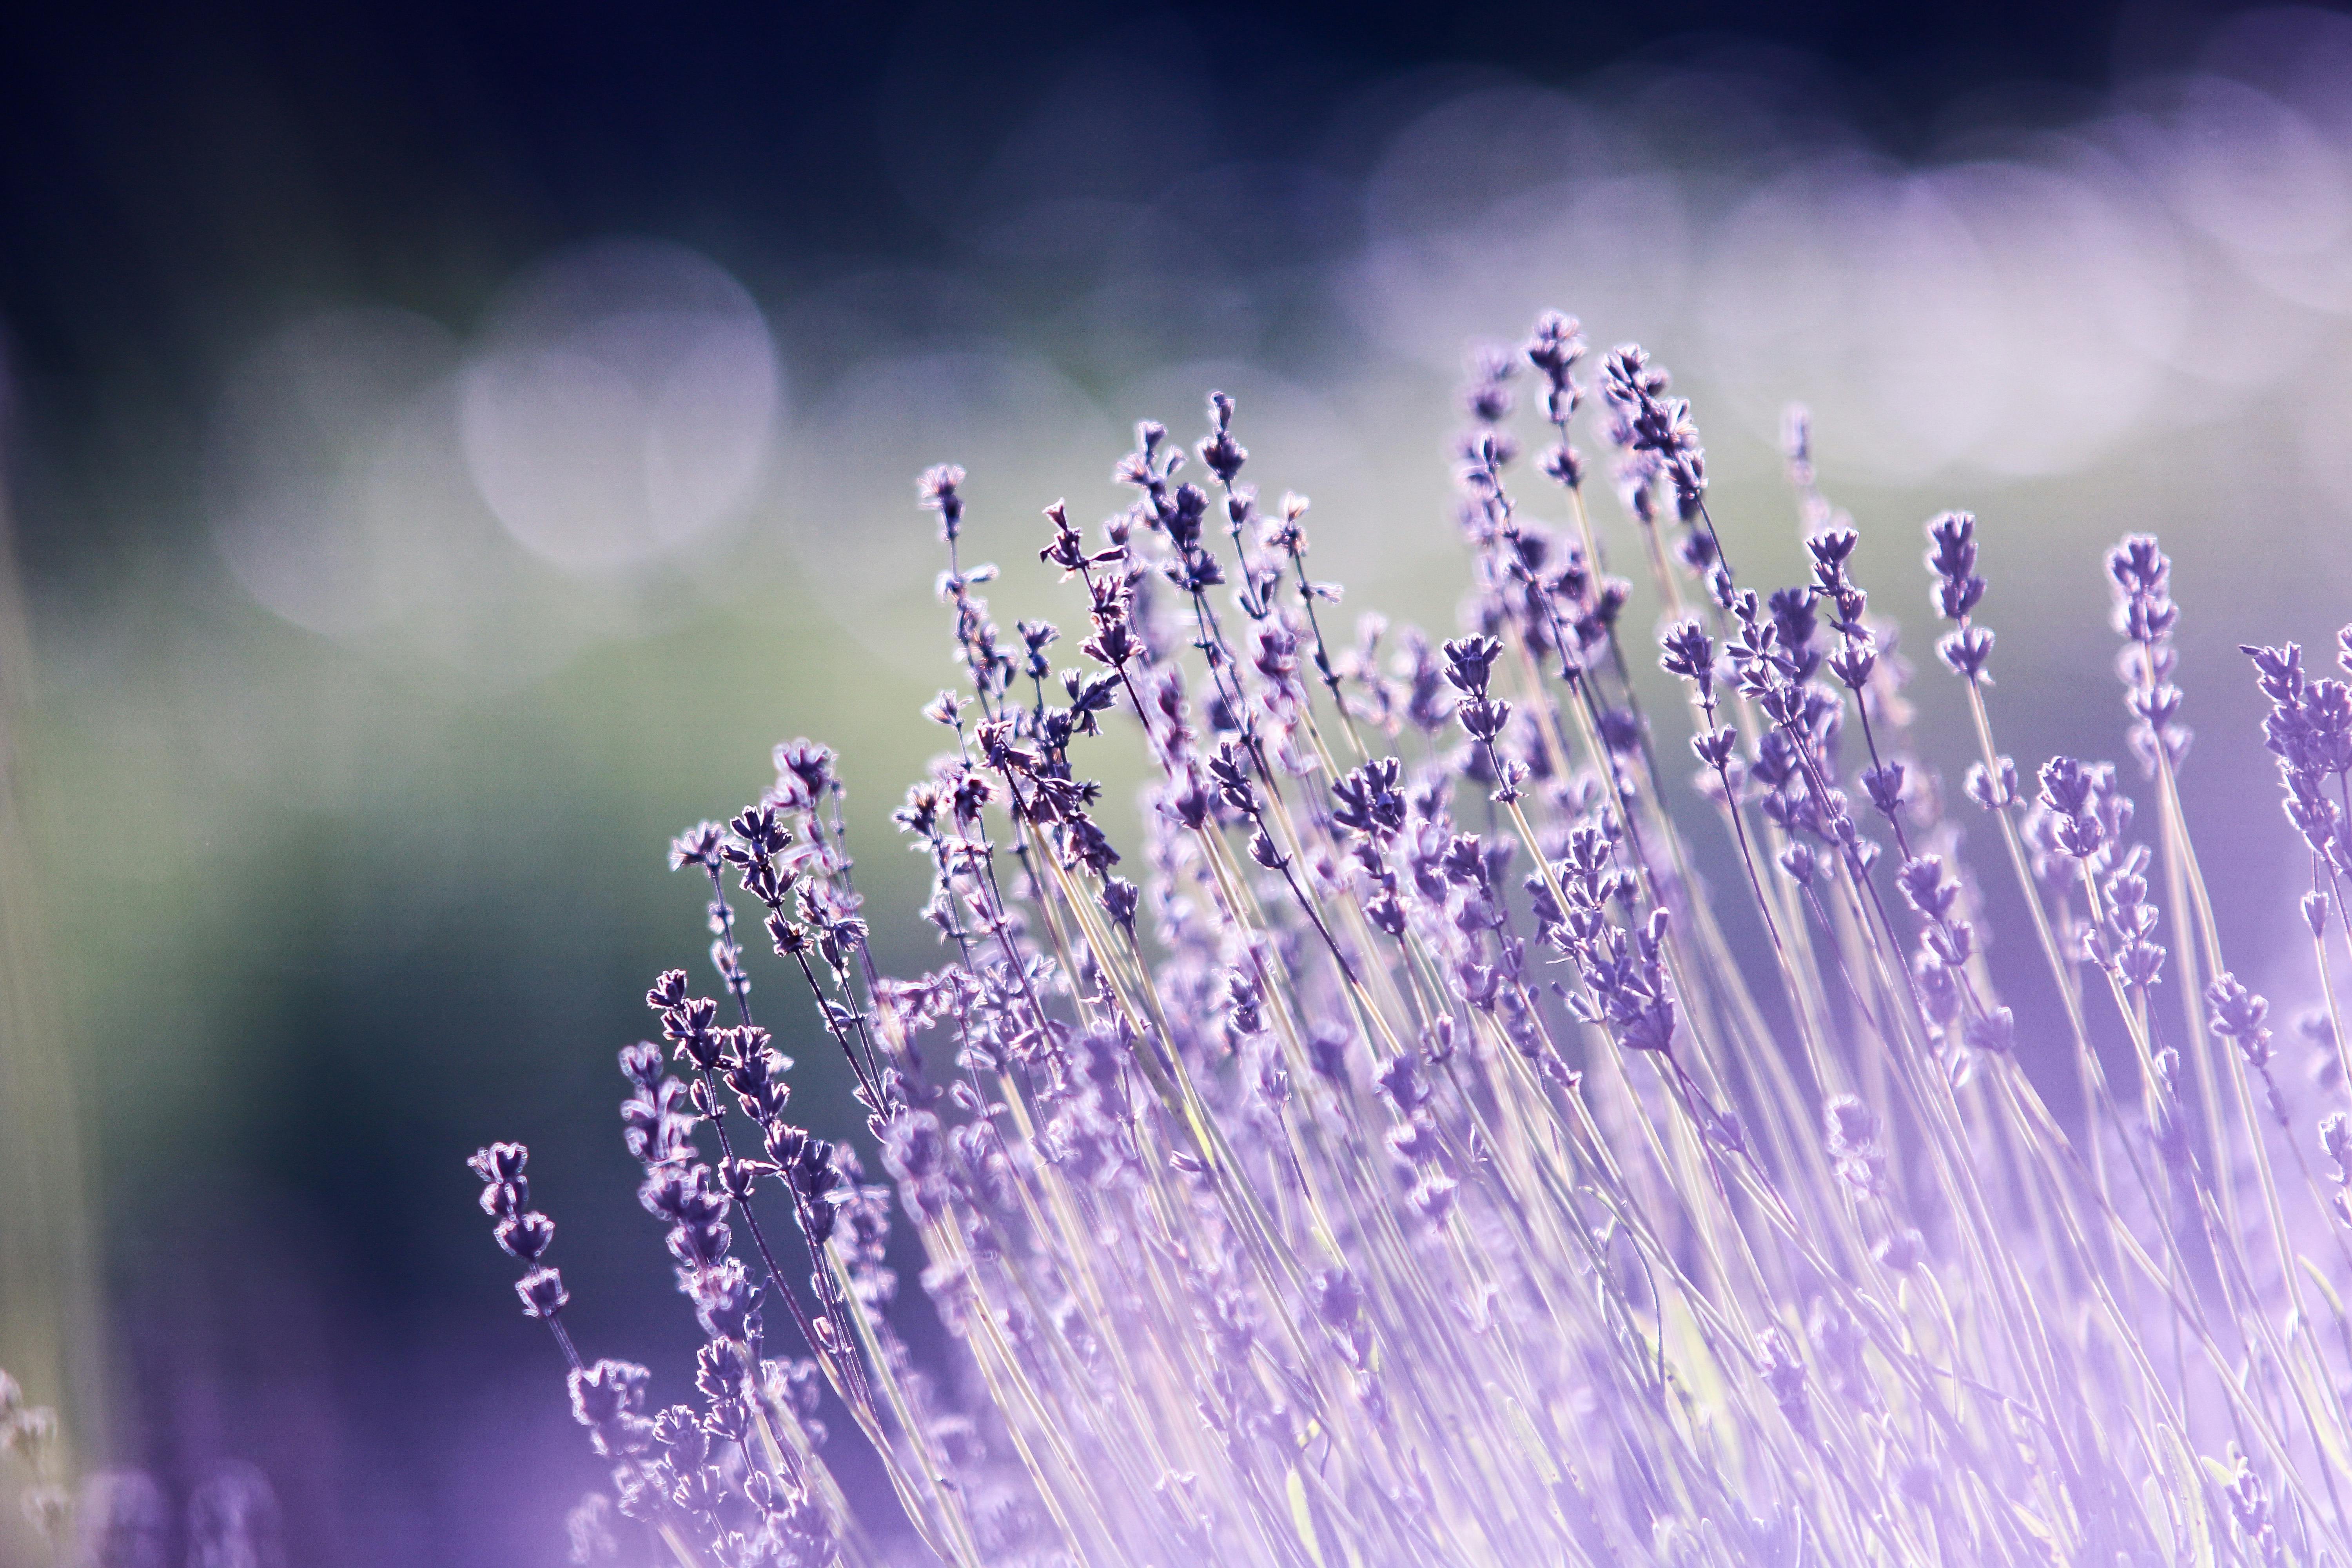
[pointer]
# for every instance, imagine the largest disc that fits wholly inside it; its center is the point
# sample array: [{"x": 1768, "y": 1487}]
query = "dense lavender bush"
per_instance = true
[{"x": 1381, "y": 1153}]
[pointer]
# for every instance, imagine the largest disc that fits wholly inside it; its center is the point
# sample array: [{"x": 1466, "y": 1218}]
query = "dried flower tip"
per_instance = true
[
  {"x": 1554, "y": 346},
  {"x": 1690, "y": 654},
  {"x": 1993, "y": 1032},
  {"x": 1922, "y": 881},
  {"x": 1219, "y": 451},
  {"x": 499, "y": 1162},
  {"x": 697, "y": 847},
  {"x": 1884, "y": 785},
  {"x": 2238, "y": 1015},
  {"x": 1967, "y": 651},
  {"x": 542, "y": 1293},
  {"x": 1952, "y": 557},
  {"x": 1469, "y": 663},
  {"x": 526, "y": 1236},
  {"x": 1995, "y": 788},
  {"x": 936, "y": 490},
  {"x": 607, "y": 1391},
  {"x": 1563, "y": 465}
]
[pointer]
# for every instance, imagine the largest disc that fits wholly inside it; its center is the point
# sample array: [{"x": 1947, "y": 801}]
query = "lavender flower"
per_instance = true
[{"x": 1399, "y": 1144}]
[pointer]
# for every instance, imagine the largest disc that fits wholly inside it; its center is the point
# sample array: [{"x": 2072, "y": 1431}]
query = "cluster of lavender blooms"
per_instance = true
[
  {"x": 121, "y": 1519},
  {"x": 1392, "y": 1149}
]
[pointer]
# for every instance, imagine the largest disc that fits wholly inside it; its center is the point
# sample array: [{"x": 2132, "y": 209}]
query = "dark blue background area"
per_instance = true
[{"x": 175, "y": 170}]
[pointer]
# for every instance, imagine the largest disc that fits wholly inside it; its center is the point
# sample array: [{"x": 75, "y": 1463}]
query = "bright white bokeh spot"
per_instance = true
[
  {"x": 293, "y": 470},
  {"x": 623, "y": 400},
  {"x": 342, "y": 498},
  {"x": 2248, "y": 170}
]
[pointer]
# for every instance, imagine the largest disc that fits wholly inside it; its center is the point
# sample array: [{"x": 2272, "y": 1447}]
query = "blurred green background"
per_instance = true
[{"x": 446, "y": 450}]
